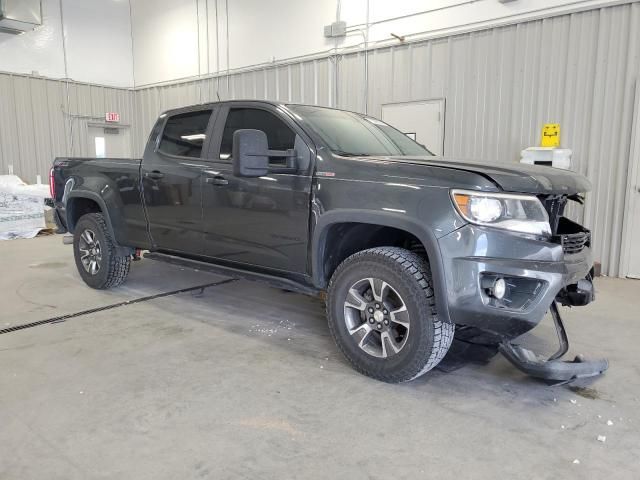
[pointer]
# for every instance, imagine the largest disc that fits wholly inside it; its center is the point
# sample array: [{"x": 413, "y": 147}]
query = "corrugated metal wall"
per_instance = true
[
  {"x": 500, "y": 85},
  {"x": 37, "y": 123}
]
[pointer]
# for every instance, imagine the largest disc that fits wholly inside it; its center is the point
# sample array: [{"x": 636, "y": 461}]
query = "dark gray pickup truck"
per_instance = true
[{"x": 406, "y": 246}]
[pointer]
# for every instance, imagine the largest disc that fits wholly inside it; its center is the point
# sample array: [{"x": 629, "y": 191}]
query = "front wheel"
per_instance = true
[
  {"x": 96, "y": 255},
  {"x": 382, "y": 314}
]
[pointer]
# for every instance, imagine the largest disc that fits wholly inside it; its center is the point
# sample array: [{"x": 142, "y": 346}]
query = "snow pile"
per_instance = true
[{"x": 21, "y": 208}]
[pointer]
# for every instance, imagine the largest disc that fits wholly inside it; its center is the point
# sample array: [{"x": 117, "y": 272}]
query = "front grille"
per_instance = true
[
  {"x": 575, "y": 242},
  {"x": 572, "y": 236}
]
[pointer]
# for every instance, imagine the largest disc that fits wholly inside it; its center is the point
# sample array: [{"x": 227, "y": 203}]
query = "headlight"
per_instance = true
[{"x": 518, "y": 213}]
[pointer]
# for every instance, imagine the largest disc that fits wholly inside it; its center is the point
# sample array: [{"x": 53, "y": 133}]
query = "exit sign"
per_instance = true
[{"x": 112, "y": 117}]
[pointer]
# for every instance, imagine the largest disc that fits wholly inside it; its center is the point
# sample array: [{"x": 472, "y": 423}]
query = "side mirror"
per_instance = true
[{"x": 250, "y": 153}]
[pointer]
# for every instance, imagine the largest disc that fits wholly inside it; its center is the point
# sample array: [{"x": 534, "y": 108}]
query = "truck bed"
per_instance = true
[{"x": 118, "y": 182}]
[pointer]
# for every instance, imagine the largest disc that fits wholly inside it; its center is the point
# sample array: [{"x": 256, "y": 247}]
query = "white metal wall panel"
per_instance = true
[
  {"x": 40, "y": 114},
  {"x": 35, "y": 120},
  {"x": 500, "y": 85},
  {"x": 27, "y": 136}
]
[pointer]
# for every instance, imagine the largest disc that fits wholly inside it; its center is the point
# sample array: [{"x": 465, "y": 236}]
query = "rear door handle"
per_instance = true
[
  {"x": 155, "y": 175},
  {"x": 218, "y": 180}
]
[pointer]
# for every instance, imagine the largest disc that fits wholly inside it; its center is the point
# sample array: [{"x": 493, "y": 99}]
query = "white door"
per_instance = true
[
  {"x": 422, "y": 120},
  {"x": 632, "y": 216},
  {"x": 109, "y": 142}
]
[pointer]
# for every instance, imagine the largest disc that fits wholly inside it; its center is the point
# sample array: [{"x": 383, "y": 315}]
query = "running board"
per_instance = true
[
  {"x": 553, "y": 368},
  {"x": 276, "y": 282}
]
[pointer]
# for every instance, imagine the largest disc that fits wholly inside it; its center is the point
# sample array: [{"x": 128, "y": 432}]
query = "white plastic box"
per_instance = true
[{"x": 552, "y": 157}]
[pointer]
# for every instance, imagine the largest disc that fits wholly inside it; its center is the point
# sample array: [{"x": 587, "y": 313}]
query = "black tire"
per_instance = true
[
  {"x": 429, "y": 337},
  {"x": 112, "y": 268}
]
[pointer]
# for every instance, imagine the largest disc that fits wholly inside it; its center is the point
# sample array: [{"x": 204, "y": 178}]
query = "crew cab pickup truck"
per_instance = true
[{"x": 406, "y": 247}]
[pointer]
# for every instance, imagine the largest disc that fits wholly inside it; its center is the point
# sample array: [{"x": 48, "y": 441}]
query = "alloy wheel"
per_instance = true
[
  {"x": 376, "y": 317},
  {"x": 90, "y": 252}
]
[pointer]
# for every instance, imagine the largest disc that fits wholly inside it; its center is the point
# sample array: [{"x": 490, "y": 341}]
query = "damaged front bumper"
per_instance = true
[
  {"x": 537, "y": 274},
  {"x": 553, "y": 368}
]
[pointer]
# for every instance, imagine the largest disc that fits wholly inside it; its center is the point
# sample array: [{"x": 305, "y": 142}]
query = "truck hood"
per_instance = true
[{"x": 518, "y": 177}]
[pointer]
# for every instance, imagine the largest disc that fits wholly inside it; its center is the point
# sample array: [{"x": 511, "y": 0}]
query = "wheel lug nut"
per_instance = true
[
  {"x": 370, "y": 310},
  {"x": 379, "y": 326},
  {"x": 385, "y": 311},
  {"x": 371, "y": 320},
  {"x": 377, "y": 305},
  {"x": 386, "y": 322}
]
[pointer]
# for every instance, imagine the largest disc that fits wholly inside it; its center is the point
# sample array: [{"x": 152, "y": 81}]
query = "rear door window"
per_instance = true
[{"x": 185, "y": 133}]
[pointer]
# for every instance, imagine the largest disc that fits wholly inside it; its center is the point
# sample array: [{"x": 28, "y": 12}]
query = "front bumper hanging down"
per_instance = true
[{"x": 553, "y": 368}]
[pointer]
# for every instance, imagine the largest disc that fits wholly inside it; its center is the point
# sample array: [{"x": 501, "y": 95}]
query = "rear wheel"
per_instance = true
[
  {"x": 96, "y": 255},
  {"x": 382, "y": 314}
]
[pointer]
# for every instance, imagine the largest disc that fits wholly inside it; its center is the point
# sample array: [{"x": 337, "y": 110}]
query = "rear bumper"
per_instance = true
[{"x": 536, "y": 272}]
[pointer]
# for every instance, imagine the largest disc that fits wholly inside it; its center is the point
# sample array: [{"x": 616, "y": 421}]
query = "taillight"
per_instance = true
[{"x": 52, "y": 184}]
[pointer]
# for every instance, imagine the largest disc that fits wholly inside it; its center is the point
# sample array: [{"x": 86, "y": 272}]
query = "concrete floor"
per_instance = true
[{"x": 243, "y": 381}]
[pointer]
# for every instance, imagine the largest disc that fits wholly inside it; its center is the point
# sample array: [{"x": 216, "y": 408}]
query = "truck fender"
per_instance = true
[
  {"x": 384, "y": 219},
  {"x": 104, "y": 210}
]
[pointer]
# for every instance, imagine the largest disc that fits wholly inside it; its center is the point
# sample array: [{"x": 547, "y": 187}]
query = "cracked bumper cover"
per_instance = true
[
  {"x": 555, "y": 370},
  {"x": 471, "y": 253}
]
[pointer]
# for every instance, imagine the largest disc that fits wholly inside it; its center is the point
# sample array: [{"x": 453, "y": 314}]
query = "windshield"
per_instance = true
[{"x": 352, "y": 134}]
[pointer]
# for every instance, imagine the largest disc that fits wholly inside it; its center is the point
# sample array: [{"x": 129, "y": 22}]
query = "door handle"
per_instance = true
[
  {"x": 218, "y": 180},
  {"x": 155, "y": 175}
]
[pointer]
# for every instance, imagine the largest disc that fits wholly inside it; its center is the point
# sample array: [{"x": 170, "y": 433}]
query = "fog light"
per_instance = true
[
  {"x": 512, "y": 293},
  {"x": 499, "y": 288}
]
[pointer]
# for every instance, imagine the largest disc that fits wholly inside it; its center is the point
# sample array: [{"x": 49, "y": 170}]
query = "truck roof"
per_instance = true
[
  {"x": 195, "y": 106},
  {"x": 207, "y": 104}
]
